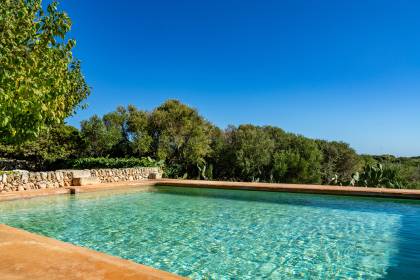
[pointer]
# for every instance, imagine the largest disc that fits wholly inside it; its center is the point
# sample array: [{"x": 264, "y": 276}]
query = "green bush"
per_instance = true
[
  {"x": 103, "y": 162},
  {"x": 7, "y": 172},
  {"x": 380, "y": 176},
  {"x": 374, "y": 176}
]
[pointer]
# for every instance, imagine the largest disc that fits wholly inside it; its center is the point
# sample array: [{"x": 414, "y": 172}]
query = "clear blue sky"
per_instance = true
[{"x": 336, "y": 70}]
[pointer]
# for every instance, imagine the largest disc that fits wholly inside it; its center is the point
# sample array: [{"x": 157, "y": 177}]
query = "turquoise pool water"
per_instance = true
[{"x": 224, "y": 234}]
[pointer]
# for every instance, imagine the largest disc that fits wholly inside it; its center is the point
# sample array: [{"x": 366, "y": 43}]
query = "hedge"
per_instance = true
[{"x": 104, "y": 162}]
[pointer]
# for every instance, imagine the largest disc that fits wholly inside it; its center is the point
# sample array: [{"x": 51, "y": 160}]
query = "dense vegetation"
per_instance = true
[
  {"x": 100, "y": 162},
  {"x": 176, "y": 136}
]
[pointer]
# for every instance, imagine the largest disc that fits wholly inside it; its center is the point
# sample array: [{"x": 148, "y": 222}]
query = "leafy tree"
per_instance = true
[
  {"x": 215, "y": 158},
  {"x": 138, "y": 129},
  {"x": 339, "y": 161},
  {"x": 116, "y": 124},
  {"x": 180, "y": 136},
  {"x": 58, "y": 143},
  {"x": 279, "y": 136},
  {"x": 99, "y": 138},
  {"x": 251, "y": 148},
  {"x": 298, "y": 162},
  {"x": 40, "y": 81}
]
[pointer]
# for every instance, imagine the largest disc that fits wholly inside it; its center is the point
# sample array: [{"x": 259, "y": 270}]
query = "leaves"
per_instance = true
[
  {"x": 104, "y": 162},
  {"x": 40, "y": 82}
]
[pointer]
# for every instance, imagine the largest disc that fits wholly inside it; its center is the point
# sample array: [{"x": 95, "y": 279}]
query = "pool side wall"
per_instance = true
[{"x": 296, "y": 188}]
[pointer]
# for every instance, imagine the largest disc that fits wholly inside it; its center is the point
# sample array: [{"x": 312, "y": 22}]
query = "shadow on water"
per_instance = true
[
  {"x": 405, "y": 265},
  {"x": 348, "y": 203}
]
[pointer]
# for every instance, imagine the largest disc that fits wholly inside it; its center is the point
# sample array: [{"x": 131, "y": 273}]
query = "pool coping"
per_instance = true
[
  {"x": 296, "y": 188},
  {"x": 25, "y": 255}
]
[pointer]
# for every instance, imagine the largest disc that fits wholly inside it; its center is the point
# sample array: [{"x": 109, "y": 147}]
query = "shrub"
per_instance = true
[
  {"x": 374, "y": 176},
  {"x": 103, "y": 162}
]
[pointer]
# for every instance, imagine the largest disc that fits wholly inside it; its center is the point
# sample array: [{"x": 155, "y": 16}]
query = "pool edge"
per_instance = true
[
  {"x": 295, "y": 188},
  {"x": 25, "y": 255}
]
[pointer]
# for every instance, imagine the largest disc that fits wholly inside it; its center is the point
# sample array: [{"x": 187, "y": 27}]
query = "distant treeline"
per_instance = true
[{"x": 189, "y": 146}]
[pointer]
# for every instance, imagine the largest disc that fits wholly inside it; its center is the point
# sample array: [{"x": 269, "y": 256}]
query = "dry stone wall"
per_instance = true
[{"x": 20, "y": 180}]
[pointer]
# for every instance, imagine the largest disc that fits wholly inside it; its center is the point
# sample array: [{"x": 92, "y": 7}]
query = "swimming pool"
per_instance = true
[{"x": 232, "y": 234}]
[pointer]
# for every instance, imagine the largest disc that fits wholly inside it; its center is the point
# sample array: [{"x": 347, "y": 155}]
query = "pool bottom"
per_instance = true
[{"x": 202, "y": 233}]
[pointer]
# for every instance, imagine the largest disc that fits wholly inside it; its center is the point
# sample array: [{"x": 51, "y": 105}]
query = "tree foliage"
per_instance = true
[
  {"x": 138, "y": 130},
  {"x": 339, "y": 162},
  {"x": 100, "y": 138},
  {"x": 40, "y": 81},
  {"x": 180, "y": 136},
  {"x": 191, "y": 147},
  {"x": 250, "y": 150},
  {"x": 58, "y": 143}
]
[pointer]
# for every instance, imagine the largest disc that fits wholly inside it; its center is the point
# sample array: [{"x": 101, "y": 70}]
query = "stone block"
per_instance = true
[
  {"x": 75, "y": 173},
  {"x": 80, "y": 173},
  {"x": 84, "y": 181}
]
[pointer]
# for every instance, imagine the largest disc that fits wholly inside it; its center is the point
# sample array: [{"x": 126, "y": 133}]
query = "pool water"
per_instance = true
[{"x": 231, "y": 234}]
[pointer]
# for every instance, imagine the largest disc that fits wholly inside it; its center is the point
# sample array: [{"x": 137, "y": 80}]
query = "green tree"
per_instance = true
[
  {"x": 60, "y": 142},
  {"x": 299, "y": 161},
  {"x": 181, "y": 137},
  {"x": 251, "y": 150},
  {"x": 339, "y": 161},
  {"x": 138, "y": 129},
  {"x": 215, "y": 158},
  {"x": 116, "y": 125},
  {"x": 40, "y": 82},
  {"x": 99, "y": 138}
]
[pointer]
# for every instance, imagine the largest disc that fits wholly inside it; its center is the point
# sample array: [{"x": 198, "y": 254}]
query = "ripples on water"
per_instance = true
[{"x": 223, "y": 234}]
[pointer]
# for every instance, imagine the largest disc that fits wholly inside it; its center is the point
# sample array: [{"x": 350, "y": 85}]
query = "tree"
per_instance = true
[
  {"x": 339, "y": 161},
  {"x": 215, "y": 159},
  {"x": 60, "y": 142},
  {"x": 138, "y": 129},
  {"x": 181, "y": 137},
  {"x": 252, "y": 148},
  {"x": 116, "y": 125},
  {"x": 99, "y": 138},
  {"x": 298, "y": 162},
  {"x": 40, "y": 82}
]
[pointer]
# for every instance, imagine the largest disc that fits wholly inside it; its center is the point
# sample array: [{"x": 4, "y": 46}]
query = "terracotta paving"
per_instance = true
[{"x": 24, "y": 255}]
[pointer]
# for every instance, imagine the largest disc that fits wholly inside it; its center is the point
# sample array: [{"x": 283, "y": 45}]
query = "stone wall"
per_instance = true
[{"x": 20, "y": 180}]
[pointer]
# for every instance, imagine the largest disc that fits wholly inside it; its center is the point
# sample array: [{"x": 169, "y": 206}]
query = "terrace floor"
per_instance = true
[{"x": 24, "y": 255}]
